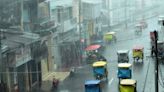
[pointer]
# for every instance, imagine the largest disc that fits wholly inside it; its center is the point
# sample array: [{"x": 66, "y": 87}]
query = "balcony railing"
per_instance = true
[{"x": 46, "y": 25}]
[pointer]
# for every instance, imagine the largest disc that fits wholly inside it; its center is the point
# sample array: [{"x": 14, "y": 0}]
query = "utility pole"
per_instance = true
[
  {"x": 0, "y": 56},
  {"x": 126, "y": 25},
  {"x": 1, "y": 27},
  {"x": 108, "y": 7},
  {"x": 156, "y": 63},
  {"x": 79, "y": 15},
  {"x": 21, "y": 21},
  {"x": 142, "y": 7},
  {"x": 79, "y": 18}
]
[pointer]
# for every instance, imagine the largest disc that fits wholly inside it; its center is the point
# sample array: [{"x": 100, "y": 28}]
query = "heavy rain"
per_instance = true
[{"x": 81, "y": 46}]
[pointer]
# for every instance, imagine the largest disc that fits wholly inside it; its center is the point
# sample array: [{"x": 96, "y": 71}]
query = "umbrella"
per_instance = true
[{"x": 92, "y": 47}]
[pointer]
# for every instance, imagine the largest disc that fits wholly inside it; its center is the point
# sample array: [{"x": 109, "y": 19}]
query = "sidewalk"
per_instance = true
[
  {"x": 58, "y": 75},
  {"x": 47, "y": 81}
]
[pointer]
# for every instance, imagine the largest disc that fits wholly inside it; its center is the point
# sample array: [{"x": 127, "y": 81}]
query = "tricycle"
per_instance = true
[
  {"x": 124, "y": 71},
  {"x": 55, "y": 82},
  {"x": 110, "y": 36},
  {"x": 161, "y": 20},
  {"x": 93, "y": 86},
  {"x": 100, "y": 70},
  {"x": 138, "y": 29},
  {"x": 138, "y": 52},
  {"x": 160, "y": 45},
  {"x": 92, "y": 52},
  {"x": 128, "y": 85},
  {"x": 123, "y": 56}
]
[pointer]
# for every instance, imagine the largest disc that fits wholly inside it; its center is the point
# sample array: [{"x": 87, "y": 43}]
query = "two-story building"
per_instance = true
[
  {"x": 67, "y": 41},
  {"x": 26, "y": 53},
  {"x": 20, "y": 67},
  {"x": 91, "y": 12}
]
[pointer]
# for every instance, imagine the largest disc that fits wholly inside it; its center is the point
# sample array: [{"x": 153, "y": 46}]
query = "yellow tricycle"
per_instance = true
[
  {"x": 110, "y": 36},
  {"x": 128, "y": 85},
  {"x": 138, "y": 52}
]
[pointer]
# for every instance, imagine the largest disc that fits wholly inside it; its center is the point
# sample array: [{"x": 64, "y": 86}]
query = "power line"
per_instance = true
[
  {"x": 19, "y": 72},
  {"x": 1, "y": 55}
]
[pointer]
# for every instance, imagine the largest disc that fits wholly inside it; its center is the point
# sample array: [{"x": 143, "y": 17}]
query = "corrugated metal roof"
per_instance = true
[
  {"x": 10, "y": 44},
  {"x": 22, "y": 39},
  {"x": 15, "y": 40},
  {"x": 4, "y": 48}
]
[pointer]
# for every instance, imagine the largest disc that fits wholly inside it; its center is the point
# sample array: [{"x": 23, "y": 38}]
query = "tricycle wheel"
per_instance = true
[
  {"x": 128, "y": 60},
  {"x": 106, "y": 80},
  {"x": 115, "y": 39},
  {"x": 135, "y": 89},
  {"x": 119, "y": 86},
  {"x": 134, "y": 59}
]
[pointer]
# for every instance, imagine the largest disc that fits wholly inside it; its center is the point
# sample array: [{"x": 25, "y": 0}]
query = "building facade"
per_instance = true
[
  {"x": 67, "y": 42},
  {"x": 28, "y": 47}
]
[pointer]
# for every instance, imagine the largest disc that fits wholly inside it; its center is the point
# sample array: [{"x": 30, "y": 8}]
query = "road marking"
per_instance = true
[{"x": 110, "y": 82}]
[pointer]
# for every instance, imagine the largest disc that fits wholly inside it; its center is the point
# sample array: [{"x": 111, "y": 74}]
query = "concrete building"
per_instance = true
[
  {"x": 3, "y": 59},
  {"x": 66, "y": 36},
  {"x": 28, "y": 51},
  {"x": 19, "y": 66},
  {"x": 91, "y": 12},
  {"x": 46, "y": 27}
]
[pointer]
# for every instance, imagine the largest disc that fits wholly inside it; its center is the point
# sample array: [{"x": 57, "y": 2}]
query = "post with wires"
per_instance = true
[
  {"x": 0, "y": 56},
  {"x": 156, "y": 63},
  {"x": 80, "y": 31}
]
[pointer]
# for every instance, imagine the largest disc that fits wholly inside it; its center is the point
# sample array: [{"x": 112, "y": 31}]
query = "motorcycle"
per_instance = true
[{"x": 55, "y": 83}]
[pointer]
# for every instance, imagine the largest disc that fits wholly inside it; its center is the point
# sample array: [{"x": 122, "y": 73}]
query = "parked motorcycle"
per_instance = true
[{"x": 55, "y": 82}]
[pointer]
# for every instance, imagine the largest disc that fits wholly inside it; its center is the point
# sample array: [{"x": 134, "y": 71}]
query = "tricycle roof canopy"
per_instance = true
[
  {"x": 128, "y": 82},
  {"x": 92, "y": 47},
  {"x": 138, "y": 47},
  {"x": 99, "y": 63},
  {"x": 110, "y": 33},
  {"x": 92, "y": 82},
  {"x": 122, "y": 51},
  {"x": 124, "y": 65},
  {"x": 160, "y": 42}
]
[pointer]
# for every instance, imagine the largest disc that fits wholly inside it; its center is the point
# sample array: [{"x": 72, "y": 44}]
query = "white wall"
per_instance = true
[{"x": 91, "y": 9}]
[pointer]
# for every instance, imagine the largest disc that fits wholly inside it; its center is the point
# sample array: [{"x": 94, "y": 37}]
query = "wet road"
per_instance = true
[{"x": 142, "y": 72}]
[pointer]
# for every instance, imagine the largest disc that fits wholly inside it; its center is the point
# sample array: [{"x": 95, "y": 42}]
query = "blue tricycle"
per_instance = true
[
  {"x": 100, "y": 70},
  {"x": 92, "y": 86},
  {"x": 124, "y": 71}
]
